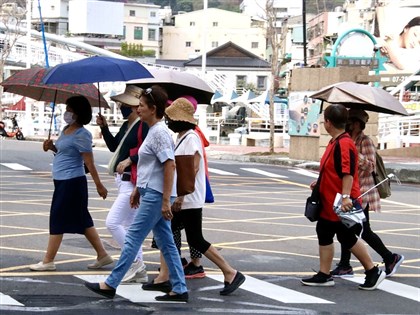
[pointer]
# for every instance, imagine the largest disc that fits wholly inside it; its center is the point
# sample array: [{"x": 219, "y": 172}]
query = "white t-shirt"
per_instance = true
[{"x": 189, "y": 146}]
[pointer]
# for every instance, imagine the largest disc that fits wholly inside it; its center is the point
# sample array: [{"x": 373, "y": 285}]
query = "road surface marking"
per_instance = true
[
  {"x": 132, "y": 291},
  {"x": 220, "y": 172},
  {"x": 16, "y": 167},
  {"x": 305, "y": 173},
  {"x": 7, "y": 300},
  {"x": 261, "y": 172},
  {"x": 275, "y": 292},
  {"x": 403, "y": 290}
]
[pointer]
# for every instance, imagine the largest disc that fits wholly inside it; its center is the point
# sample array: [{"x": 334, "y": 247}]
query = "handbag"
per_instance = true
[
  {"x": 313, "y": 203},
  {"x": 209, "y": 192},
  {"x": 352, "y": 217},
  {"x": 185, "y": 172}
]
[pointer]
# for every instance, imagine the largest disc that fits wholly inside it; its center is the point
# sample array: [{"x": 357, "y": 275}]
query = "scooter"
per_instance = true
[{"x": 16, "y": 131}]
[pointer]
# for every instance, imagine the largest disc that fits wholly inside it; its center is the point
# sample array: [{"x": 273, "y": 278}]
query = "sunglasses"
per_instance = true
[{"x": 148, "y": 92}]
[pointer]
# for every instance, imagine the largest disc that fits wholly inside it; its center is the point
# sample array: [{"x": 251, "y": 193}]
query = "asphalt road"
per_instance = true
[{"x": 256, "y": 223}]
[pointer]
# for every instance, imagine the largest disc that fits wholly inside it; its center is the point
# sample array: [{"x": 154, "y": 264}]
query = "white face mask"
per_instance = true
[{"x": 68, "y": 117}]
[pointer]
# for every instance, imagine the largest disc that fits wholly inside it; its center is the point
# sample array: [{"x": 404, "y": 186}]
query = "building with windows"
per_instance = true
[
  {"x": 210, "y": 29},
  {"x": 141, "y": 25}
]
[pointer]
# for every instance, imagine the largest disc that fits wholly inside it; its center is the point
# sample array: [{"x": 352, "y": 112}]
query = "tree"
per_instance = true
[
  {"x": 11, "y": 15},
  {"x": 275, "y": 38}
]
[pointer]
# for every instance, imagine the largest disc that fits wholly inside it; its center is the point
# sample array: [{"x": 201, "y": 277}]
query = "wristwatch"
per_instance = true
[{"x": 345, "y": 196}]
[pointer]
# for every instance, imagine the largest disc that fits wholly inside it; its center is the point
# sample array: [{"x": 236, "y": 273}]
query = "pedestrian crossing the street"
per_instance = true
[{"x": 216, "y": 171}]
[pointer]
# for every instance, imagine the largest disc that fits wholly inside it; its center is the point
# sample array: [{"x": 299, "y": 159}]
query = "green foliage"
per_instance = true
[{"x": 136, "y": 50}]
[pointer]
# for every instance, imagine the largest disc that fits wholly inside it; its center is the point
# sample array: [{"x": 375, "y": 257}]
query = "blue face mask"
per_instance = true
[{"x": 125, "y": 111}]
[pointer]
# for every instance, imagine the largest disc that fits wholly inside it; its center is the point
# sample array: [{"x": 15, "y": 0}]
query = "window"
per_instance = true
[
  {"x": 261, "y": 82},
  {"x": 214, "y": 44},
  {"x": 215, "y": 24},
  {"x": 192, "y": 23},
  {"x": 138, "y": 32},
  {"x": 132, "y": 13},
  {"x": 153, "y": 14},
  {"x": 187, "y": 44},
  {"x": 240, "y": 81},
  {"x": 124, "y": 31},
  {"x": 254, "y": 45},
  {"x": 152, "y": 34},
  {"x": 197, "y": 50}
]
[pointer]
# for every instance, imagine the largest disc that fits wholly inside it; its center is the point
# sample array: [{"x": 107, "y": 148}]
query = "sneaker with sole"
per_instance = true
[
  {"x": 392, "y": 267},
  {"x": 319, "y": 280},
  {"x": 342, "y": 271},
  {"x": 135, "y": 267},
  {"x": 373, "y": 278},
  {"x": 98, "y": 264},
  {"x": 43, "y": 267},
  {"x": 191, "y": 271}
]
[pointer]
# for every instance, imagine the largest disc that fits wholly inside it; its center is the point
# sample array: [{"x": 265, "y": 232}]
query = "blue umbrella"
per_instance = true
[{"x": 96, "y": 69}]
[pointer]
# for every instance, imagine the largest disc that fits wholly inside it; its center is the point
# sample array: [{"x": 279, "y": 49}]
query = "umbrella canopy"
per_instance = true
[
  {"x": 361, "y": 96},
  {"x": 96, "y": 69},
  {"x": 244, "y": 98},
  {"x": 29, "y": 83},
  {"x": 177, "y": 83},
  {"x": 225, "y": 98}
]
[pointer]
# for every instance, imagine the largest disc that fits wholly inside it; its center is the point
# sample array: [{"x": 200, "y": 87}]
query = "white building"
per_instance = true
[
  {"x": 185, "y": 39},
  {"x": 141, "y": 25}
]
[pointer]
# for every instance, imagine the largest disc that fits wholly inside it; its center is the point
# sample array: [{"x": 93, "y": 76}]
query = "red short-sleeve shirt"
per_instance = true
[{"x": 339, "y": 159}]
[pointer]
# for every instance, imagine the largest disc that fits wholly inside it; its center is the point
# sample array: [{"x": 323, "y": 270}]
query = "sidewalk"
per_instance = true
[{"x": 405, "y": 168}]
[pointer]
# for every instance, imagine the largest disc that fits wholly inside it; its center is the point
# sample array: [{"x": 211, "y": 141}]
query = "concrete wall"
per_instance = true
[{"x": 313, "y": 79}]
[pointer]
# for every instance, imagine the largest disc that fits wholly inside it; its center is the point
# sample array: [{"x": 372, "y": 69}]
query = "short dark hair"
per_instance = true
[
  {"x": 413, "y": 22},
  {"x": 156, "y": 96},
  {"x": 81, "y": 107},
  {"x": 337, "y": 114}
]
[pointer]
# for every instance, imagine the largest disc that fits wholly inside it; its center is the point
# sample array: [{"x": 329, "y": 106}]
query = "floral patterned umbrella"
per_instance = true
[{"x": 29, "y": 83}]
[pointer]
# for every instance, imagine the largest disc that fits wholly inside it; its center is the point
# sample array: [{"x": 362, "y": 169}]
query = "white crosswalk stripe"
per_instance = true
[
  {"x": 304, "y": 172},
  {"x": 400, "y": 289},
  {"x": 7, "y": 300},
  {"x": 261, "y": 172},
  {"x": 16, "y": 166},
  {"x": 274, "y": 292},
  {"x": 220, "y": 172}
]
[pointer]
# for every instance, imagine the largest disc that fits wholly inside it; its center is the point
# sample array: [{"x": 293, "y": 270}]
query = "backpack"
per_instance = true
[{"x": 385, "y": 188}]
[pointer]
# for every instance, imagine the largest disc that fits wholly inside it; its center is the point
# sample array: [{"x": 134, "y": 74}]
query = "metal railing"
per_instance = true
[{"x": 398, "y": 132}]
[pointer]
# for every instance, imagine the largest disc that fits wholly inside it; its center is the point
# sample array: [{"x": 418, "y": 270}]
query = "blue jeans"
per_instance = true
[{"x": 149, "y": 217}]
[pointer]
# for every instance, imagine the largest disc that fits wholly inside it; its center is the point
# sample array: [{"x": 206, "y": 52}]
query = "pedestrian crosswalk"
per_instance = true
[
  {"x": 241, "y": 170},
  {"x": 134, "y": 293}
]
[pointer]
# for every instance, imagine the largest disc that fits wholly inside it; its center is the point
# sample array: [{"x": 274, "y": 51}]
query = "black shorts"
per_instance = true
[{"x": 326, "y": 230}]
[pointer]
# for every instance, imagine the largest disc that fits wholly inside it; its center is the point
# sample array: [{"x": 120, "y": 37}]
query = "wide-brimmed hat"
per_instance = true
[
  {"x": 181, "y": 110},
  {"x": 131, "y": 95},
  {"x": 359, "y": 114},
  {"x": 188, "y": 97}
]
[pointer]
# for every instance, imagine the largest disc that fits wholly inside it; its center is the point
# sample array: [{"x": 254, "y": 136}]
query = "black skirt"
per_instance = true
[{"x": 69, "y": 208}]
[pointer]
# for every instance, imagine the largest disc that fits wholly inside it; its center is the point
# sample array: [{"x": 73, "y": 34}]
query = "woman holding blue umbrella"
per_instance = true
[{"x": 69, "y": 208}]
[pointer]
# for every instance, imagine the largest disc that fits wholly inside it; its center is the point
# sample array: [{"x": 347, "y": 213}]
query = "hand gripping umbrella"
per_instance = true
[
  {"x": 29, "y": 83},
  {"x": 361, "y": 96},
  {"x": 96, "y": 69}
]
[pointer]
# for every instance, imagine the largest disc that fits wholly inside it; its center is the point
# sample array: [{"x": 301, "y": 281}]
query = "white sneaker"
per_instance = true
[
  {"x": 43, "y": 267},
  {"x": 137, "y": 267}
]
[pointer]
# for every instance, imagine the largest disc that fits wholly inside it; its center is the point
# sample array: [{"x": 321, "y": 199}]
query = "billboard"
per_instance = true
[
  {"x": 397, "y": 31},
  {"x": 96, "y": 17},
  {"x": 303, "y": 114}
]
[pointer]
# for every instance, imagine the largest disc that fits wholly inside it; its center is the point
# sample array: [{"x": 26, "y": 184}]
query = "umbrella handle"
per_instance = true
[
  {"x": 99, "y": 100},
  {"x": 52, "y": 115}
]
